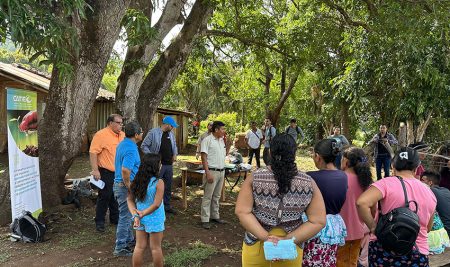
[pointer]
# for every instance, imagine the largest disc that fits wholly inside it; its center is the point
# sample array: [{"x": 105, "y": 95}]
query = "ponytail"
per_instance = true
[{"x": 357, "y": 160}]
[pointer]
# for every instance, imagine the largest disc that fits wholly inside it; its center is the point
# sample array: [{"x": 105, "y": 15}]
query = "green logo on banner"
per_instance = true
[{"x": 21, "y": 100}]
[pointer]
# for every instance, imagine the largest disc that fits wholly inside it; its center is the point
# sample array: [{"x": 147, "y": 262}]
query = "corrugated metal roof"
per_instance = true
[
  {"x": 167, "y": 111},
  {"x": 39, "y": 81},
  {"x": 42, "y": 83},
  {"x": 21, "y": 75}
]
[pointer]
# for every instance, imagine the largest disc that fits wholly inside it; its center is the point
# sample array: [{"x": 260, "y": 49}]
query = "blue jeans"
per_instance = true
[
  {"x": 166, "y": 174},
  {"x": 383, "y": 160},
  {"x": 124, "y": 233},
  {"x": 337, "y": 161}
]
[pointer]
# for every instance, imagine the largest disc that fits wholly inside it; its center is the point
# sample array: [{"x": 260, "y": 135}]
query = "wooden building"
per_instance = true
[{"x": 15, "y": 76}]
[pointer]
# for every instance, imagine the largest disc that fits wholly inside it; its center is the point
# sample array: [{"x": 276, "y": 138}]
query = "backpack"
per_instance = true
[
  {"x": 297, "y": 129},
  {"x": 397, "y": 230},
  {"x": 27, "y": 228},
  {"x": 270, "y": 133}
]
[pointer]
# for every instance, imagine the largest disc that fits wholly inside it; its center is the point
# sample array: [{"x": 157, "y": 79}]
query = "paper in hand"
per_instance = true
[{"x": 98, "y": 183}]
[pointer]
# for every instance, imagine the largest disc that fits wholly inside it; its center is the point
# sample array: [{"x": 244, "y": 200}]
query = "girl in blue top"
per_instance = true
[{"x": 145, "y": 202}]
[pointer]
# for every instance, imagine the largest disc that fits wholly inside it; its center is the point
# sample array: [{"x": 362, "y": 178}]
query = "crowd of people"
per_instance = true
[{"x": 335, "y": 216}]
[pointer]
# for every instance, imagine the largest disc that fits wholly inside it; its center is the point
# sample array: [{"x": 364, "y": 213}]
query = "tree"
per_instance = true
[
  {"x": 143, "y": 43},
  {"x": 77, "y": 37},
  {"x": 170, "y": 63}
]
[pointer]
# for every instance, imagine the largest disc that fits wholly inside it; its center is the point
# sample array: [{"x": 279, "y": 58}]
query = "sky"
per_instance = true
[{"x": 121, "y": 46}]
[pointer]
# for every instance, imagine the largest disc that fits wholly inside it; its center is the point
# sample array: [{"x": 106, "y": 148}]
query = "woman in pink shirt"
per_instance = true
[
  {"x": 389, "y": 192},
  {"x": 357, "y": 168}
]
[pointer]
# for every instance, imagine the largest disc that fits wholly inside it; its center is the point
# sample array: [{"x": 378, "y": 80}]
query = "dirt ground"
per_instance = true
[{"x": 73, "y": 241}]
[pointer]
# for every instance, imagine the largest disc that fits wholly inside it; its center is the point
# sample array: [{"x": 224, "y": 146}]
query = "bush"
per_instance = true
[{"x": 230, "y": 120}]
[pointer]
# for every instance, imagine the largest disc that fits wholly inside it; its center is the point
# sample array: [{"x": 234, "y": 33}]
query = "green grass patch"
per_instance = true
[
  {"x": 4, "y": 257},
  {"x": 186, "y": 157},
  {"x": 191, "y": 256},
  {"x": 305, "y": 163}
]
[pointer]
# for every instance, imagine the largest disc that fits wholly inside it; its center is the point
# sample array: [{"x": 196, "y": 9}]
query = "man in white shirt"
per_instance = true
[
  {"x": 253, "y": 139},
  {"x": 213, "y": 160}
]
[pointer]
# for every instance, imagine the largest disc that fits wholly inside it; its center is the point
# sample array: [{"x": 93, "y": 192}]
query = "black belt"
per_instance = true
[{"x": 215, "y": 169}]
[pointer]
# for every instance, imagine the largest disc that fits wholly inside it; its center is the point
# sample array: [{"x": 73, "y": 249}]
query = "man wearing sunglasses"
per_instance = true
[{"x": 102, "y": 154}]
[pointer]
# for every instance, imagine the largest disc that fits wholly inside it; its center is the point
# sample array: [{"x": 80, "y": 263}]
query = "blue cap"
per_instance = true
[{"x": 169, "y": 120}]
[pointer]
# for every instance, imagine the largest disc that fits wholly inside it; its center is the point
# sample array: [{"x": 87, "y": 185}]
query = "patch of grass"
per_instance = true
[
  {"x": 4, "y": 257},
  {"x": 305, "y": 163},
  {"x": 191, "y": 256},
  {"x": 186, "y": 157},
  {"x": 78, "y": 240}
]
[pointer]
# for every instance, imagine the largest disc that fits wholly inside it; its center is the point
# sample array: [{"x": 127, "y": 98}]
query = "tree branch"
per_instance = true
[
  {"x": 246, "y": 41},
  {"x": 423, "y": 3},
  {"x": 373, "y": 11},
  {"x": 348, "y": 20}
]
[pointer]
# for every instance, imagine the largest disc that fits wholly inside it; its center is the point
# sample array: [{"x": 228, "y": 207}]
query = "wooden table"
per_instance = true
[{"x": 185, "y": 173}]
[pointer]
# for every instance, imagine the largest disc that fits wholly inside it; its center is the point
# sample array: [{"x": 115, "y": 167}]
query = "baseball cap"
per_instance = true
[
  {"x": 406, "y": 158},
  {"x": 169, "y": 120}
]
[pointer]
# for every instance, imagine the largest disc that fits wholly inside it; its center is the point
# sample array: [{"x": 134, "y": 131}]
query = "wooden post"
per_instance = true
[
  {"x": 183, "y": 187},
  {"x": 223, "y": 188},
  {"x": 402, "y": 135}
]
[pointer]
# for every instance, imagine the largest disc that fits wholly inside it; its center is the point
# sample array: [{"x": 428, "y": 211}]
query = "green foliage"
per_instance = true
[
  {"x": 112, "y": 72},
  {"x": 230, "y": 120},
  {"x": 11, "y": 55},
  {"x": 388, "y": 62},
  {"x": 138, "y": 27},
  {"x": 190, "y": 256},
  {"x": 109, "y": 82},
  {"x": 43, "y": 28}
]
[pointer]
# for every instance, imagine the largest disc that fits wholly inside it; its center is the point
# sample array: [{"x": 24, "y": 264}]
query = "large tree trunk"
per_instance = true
[
  {"x": 139, "y": 57},
  {"x": 410, "y": 132},
  {"x": 402, "y": 141},
  {"x": 268, "y": 79},
  {"x": 420, "y": 131},
  {"x": 275, "y": 113},
  {"x": 5, "y": 198},
  {"x": 170, "y": 63},
  {"x": 345, "y": 121},
  {"x": 69, "y": 104}
]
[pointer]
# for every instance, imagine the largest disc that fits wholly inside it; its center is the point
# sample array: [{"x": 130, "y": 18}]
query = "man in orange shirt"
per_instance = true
[{"x": 102, "y": 154}]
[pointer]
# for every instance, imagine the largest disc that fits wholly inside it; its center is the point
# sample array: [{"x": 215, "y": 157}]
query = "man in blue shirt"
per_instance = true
[
  {"x": 161, "y": 141},
  {"x": 126, "y": 163}
]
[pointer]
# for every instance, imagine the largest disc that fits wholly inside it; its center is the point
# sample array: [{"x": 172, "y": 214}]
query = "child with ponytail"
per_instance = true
[{"x": 356, "y": 166}]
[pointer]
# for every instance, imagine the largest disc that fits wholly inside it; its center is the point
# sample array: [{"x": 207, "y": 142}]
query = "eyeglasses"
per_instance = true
[{"x": 119, "y": 122}]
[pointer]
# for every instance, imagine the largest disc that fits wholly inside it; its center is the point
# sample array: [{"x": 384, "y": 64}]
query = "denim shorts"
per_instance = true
[{"x": 153, "y": 228}]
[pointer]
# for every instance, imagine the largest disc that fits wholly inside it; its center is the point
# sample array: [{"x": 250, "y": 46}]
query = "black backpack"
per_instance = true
[
  {"x": 397, "y": 230},
  {"x": 27, "y": 228},
  {"x": 297, "y": 129}
]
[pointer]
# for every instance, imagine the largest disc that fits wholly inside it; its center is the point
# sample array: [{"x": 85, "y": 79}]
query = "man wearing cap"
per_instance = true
[
  {"x": 126, "y": 163},
  {"x": 102, "y": 153},
  {"x": 161, "y": 141}
]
